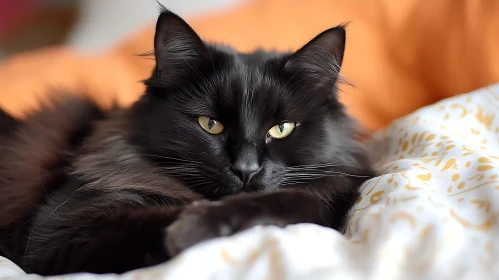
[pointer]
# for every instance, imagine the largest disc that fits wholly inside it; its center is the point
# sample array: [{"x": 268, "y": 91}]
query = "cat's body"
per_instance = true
[{"x": 85, "y": 189}]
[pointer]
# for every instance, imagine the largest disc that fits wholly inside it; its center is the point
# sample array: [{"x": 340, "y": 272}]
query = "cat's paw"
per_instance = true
[{"x": 203, "y": 220}]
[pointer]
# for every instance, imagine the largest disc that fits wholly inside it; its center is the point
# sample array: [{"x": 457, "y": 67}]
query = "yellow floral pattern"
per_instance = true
[{"x": 433, "y": 213}]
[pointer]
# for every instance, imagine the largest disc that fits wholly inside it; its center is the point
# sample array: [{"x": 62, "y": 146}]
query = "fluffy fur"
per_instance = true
[{"x": 85, "y": 189}]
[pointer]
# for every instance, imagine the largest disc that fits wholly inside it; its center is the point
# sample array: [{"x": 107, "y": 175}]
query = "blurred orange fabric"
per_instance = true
[{"x": 400, "y": 55}]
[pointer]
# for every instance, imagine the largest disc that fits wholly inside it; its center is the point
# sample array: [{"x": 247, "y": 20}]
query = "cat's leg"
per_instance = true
[
  {"x": 205, "y": 220},
  {"x": 108, "y": 233}
]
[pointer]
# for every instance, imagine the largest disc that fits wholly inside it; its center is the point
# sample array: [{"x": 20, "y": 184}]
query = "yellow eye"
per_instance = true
[
  {"x": 210, "y": 125},
  {"x": 282, "y": 130}
]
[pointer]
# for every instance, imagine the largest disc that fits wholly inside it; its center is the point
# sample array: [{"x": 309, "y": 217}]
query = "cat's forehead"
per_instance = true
[
  {"x": 246, "y": 90},
  {"x": 253, "y": 84}
]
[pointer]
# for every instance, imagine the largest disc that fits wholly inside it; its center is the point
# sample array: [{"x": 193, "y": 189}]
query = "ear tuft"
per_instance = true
[{"x": 161, "y": 7}]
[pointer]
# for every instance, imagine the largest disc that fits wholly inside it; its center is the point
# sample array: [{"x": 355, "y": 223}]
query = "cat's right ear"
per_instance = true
[{"x": 178, "y": 50}]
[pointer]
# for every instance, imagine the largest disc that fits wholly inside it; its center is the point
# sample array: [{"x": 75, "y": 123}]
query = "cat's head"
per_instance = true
[{"x": 224, "y": 122}]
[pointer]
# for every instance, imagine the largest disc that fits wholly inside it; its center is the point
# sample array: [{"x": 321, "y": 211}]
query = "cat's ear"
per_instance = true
[
  {"x": 178, "y": 49},
  {"x": 319, "y": 61}
]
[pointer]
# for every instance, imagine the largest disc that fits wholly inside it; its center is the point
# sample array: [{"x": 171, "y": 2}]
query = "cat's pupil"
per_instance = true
[
  {"x": 281, "y": 127},
  {"x": 211, "y": 123}
]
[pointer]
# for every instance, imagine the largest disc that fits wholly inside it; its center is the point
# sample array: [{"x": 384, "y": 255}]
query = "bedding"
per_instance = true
[{"x": 431, "y": 214}]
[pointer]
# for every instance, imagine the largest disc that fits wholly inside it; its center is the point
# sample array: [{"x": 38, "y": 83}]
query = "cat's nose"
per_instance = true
[{"x": 245, "y": 169}]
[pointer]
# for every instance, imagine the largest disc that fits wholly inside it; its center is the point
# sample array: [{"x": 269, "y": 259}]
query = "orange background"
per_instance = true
[{"x": 400, "y": 54}]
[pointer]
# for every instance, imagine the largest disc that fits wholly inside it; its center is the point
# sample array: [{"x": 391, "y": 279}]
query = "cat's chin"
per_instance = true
[
  {"x": 253, "y": 188},
  {"x": 238, "y": 189},
  {"x": 222, "y": 191}
]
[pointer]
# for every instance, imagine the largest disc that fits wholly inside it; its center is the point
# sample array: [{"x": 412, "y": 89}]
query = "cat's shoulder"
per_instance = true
[{"x": 34, "y": 150}]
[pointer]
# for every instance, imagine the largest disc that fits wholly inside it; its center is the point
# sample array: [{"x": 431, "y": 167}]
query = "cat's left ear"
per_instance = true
[
  {"x": 178, "y": 49},
  {"x": 319, "y": 61}
]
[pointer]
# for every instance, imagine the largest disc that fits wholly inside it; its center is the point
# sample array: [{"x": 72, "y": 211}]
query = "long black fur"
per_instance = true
[{"x": 86, "y": 189}]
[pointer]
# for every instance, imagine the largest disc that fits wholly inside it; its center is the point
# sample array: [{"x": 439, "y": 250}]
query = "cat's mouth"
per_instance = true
[
  {"x": 252, "y": 187},
  {"x": 215, "y": 185}
]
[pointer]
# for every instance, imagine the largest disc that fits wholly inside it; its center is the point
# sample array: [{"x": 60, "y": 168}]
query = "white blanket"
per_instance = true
[{"x": 433, "y": 214}]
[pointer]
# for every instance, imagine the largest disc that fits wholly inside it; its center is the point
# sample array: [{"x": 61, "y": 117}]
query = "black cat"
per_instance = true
[{"x": 221, "y": 141}]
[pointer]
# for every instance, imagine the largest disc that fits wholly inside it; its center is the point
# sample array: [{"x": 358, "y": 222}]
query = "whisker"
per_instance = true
[
  {"x": 44, "y": 220},
  {"x": 328, "y": 174},
  {"x": 172, "y": 158},
  {"x": 295, "y": 178},
  {"x": 323, "y": 165}
]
